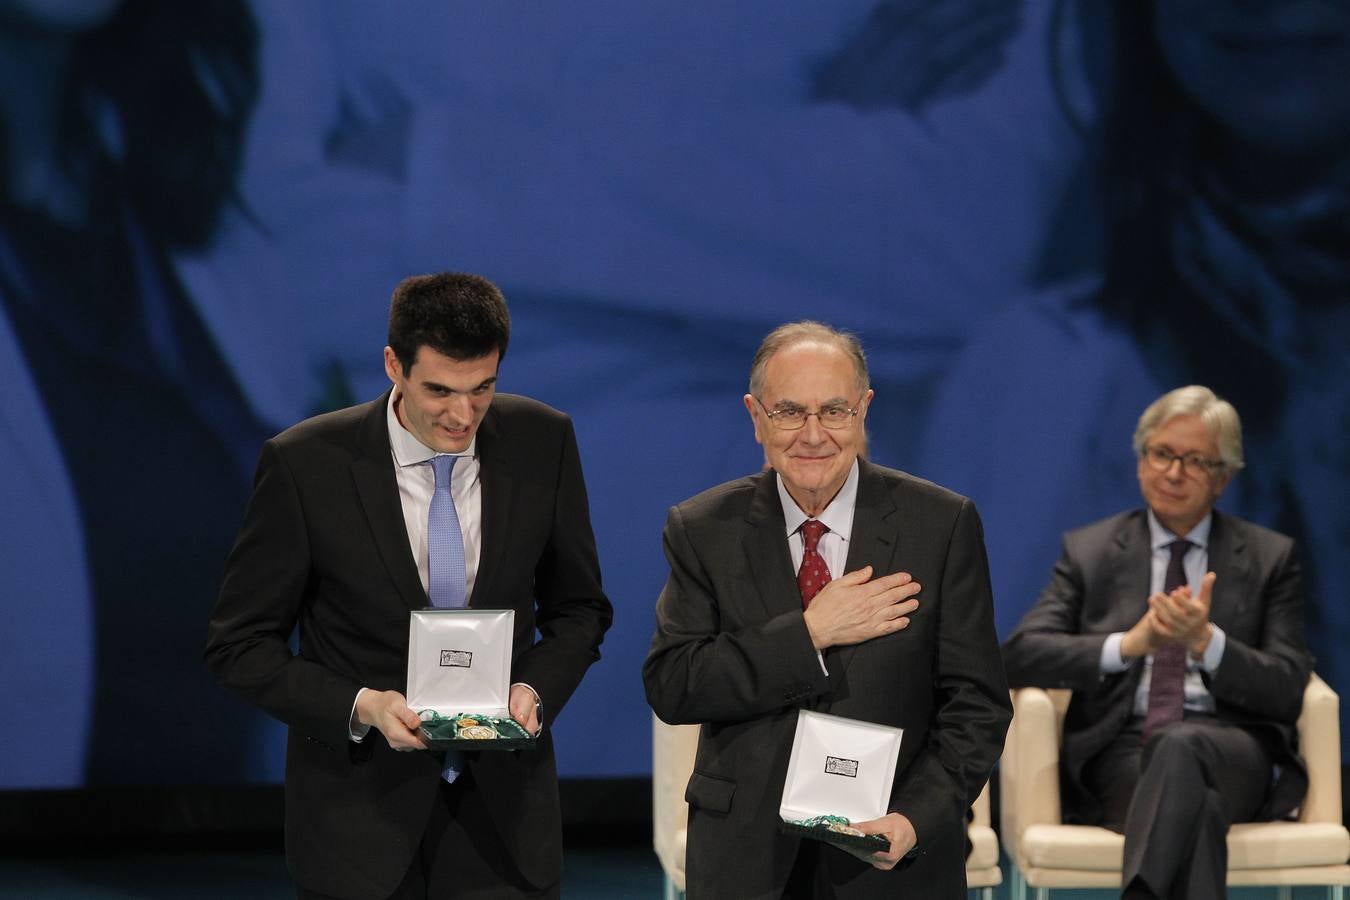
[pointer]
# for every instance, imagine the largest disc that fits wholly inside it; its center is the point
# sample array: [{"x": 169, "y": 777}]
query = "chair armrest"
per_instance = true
[
  {"x": 1319, "y": 740},
  {"x": 1029, "y": 773}
]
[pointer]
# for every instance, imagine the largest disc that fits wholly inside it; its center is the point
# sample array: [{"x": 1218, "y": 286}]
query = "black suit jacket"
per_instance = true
[
  {"x": 731, "y": 651},
  {"x": 1100, "y": 585},
  {"x": 323, "y": 545}
]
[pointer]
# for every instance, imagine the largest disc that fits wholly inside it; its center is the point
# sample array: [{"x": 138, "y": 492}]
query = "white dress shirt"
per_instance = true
[
  {"x": 837, "y": 517},
  {"x": 416, "y": 484},
  {"x": 833, "y": 544}
]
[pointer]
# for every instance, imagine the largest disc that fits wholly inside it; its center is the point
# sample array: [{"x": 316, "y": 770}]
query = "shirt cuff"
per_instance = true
[
  {"x": 1214, "y": 652},
  {"x": 355, "y": 730},
  {"x": 1112, "y": 662}
]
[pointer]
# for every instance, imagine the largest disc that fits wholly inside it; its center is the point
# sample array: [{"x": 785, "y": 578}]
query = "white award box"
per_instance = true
[
  {"x": 459, "y": 678},
  {"x": 841, "y": 771}
]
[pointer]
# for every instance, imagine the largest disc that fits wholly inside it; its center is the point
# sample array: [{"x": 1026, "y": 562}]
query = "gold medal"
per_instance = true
[
  {"x": 842, "y": 828},
  {"x": 478, "y": 732}
]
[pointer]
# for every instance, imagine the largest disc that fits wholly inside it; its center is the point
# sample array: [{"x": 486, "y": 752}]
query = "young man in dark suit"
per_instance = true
[
  {"x": 889, "y": 619},
  {"x": 1180, "y": 631},
  {"x": 337, "y": 540}
]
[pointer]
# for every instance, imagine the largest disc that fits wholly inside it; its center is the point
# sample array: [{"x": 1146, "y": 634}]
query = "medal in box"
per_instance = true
[
  {"x": 459, "y": 679},
  {"x": 840, "y": 772}
]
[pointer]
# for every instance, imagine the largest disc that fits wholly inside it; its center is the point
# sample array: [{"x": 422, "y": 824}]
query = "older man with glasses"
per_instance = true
[
  {"x": 1180, "y": 631},
  {"x": 888, "y": 619}
]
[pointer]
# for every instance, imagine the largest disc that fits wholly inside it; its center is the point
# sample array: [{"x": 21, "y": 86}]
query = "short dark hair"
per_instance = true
[{"x": 458, "y": 315}]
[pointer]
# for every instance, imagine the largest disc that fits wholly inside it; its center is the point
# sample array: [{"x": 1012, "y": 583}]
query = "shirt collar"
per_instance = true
[
  {"x": 838, "y": 516},
  {"x": 1160, "y": 537},
  {"x": 408, "y": 450}
]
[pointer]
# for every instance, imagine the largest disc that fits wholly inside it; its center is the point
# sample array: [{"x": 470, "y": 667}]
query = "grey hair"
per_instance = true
[
  {"x": 806, "y": 331},
  {"x": 1217, "y": 414}
]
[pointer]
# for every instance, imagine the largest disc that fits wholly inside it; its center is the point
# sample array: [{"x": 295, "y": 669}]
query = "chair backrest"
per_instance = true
[
  {"x": 1029, "y": 772},
  {"x": 673, "y": 749}
]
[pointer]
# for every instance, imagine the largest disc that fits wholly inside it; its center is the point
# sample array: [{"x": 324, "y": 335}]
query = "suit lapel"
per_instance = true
[
  {"x": 766, "y": 549},
  {"x": 877, "y": 533},
  {"x": 498, "y": 487},
  {"x": 1133, "y": 567},
  {"x": 377, "y": 486},
  {"x": 876, "y": 528},
  {"x": 1228, "y": 561}
]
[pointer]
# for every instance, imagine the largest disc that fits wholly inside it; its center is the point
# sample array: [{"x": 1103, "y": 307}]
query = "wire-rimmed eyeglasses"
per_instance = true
[
  {"x": 790, "y": 416},
  {"x": 1160, "y": 459}
]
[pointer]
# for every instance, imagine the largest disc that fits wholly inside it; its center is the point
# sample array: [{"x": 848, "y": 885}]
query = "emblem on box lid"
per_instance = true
[
  {"x": 462, "y": 659},
  {"x": 835, "y": 765}
]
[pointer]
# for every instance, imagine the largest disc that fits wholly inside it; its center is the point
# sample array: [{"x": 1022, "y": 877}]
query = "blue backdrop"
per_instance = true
[{"x": 1037, "y": 216}]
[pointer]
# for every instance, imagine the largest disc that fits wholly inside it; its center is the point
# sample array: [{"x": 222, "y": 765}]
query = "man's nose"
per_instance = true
[{"x": 460, "y": 407}]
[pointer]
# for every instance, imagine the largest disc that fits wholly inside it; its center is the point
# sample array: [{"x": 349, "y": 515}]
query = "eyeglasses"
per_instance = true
[
  {"x": 1161, "y": 460},
  {"x": 790, "y": 417}
]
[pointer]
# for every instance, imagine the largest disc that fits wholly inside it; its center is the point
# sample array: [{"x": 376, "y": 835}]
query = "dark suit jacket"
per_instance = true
[
  {"x": 1101, "y": 585},
  {"x": 323, "y": 544},
  {"x": 731, "y": 651}
]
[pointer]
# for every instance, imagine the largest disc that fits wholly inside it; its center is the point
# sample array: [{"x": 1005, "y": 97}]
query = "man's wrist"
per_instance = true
[
  {"x": 1201, "y": 644},
  {"x": 817, "y": 640},
  {"x": 1132, "y": 645},
  {"x": 357, "y": 729}
]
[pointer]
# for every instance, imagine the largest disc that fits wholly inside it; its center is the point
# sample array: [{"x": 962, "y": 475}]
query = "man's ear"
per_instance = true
[{"x": 752, "y": 407}]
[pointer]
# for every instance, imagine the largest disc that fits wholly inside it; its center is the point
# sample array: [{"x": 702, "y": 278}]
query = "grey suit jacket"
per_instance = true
[
  {"x": 731, "y": 651},
  {"x": 1100, "y": 585}
]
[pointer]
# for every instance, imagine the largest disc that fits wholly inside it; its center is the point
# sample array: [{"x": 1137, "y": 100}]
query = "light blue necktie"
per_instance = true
[{"x": 447, "y": 579}]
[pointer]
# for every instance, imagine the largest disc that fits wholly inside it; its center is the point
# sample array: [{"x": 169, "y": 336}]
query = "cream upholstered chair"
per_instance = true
[
  {"x": 672, "y": 763},
  {"x": 1045, "y": 853},
  {"x": 982, "y": 871},
  {"x": 673, "y": 749}
]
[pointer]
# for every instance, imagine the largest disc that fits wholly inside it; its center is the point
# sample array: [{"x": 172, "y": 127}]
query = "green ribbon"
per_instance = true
[{"x": 452, "y": 727}]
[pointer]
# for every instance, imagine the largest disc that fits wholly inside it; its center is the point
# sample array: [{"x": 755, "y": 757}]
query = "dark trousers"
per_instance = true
[
  {"x": 461, "y": 856},
  {"x": 1174, "y": 797},
  {"x": 823, "y": 872}
]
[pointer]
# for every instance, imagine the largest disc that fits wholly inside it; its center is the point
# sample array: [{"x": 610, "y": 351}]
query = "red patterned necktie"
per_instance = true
[
  {"x": 1167, "y": 688},
  {"x": 813, "y": 574}
]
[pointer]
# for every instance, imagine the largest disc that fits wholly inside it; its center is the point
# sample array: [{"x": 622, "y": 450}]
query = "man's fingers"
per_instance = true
[
  {"x": 898, "y": 610},
  {"x": 897, "y": 594},
  {"x": 857, "y": 576},
  {"x": 523, "y": 713},
  {"x": 891, "y": 581},
  {"x": 404, "y": 739},
  {"x": 1207, "y": 588}
]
